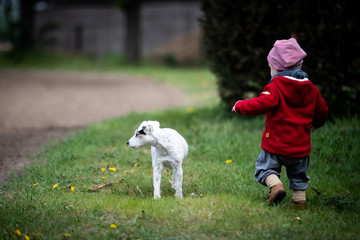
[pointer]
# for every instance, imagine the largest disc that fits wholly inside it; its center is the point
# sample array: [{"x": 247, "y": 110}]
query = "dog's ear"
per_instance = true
[
  {"x": 155, "y": 124},
  {"x": 148, "y": 129},
  {"x": 149, "y": 126}
]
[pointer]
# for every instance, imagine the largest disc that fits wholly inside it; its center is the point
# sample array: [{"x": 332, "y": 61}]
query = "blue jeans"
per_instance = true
[{"x": 296, "y": 167}]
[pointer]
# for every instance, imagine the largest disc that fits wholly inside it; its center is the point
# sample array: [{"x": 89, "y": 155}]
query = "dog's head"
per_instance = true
[{"x": 143, "y": 136}]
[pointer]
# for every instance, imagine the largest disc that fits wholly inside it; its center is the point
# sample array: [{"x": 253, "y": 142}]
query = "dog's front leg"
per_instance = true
[{"x": 157, "y": 180}]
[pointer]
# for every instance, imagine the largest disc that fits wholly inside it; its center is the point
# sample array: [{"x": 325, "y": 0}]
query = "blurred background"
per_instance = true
[
  {"x": 157, "y": 29},
  {"x": 229, "y": 38},
  {"x": 139, "y": 39}
]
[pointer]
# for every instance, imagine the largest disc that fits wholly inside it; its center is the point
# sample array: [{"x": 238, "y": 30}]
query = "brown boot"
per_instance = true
[
  {"x": 299, "y": 205},
  {"x": 277, "y": 194}
]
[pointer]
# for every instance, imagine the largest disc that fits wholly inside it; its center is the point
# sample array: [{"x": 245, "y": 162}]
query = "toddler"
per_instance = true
[{"x": 293, "y": 105}]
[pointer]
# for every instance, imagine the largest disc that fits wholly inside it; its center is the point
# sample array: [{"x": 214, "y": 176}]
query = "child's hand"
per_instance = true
[{"x": 233, "y": 109}]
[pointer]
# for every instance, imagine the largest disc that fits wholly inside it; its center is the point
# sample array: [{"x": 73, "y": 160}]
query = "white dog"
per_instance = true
[{"x": 168, "y": 149}]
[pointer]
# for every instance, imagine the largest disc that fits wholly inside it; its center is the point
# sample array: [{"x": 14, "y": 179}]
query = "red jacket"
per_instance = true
[{"x": 292, "y": 106}]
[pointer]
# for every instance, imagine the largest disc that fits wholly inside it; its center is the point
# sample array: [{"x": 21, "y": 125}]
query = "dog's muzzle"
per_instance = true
[{"x": 128, "y": 143}]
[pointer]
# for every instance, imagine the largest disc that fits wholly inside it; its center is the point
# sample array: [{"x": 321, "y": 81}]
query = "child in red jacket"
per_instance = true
[{"x": 292, "y": 105}]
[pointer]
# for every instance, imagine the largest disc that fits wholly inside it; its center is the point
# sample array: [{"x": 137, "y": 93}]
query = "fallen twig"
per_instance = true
[{"x": 105, "y": 184}]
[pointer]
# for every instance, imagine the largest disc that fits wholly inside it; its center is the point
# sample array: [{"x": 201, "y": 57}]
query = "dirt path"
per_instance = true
[{"x": 36, "y": 107}]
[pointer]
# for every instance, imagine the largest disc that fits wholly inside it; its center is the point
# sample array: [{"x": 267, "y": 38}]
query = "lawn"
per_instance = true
[
  {"x": 54, "y": 199},
  {"x": 222, "y": 199}
]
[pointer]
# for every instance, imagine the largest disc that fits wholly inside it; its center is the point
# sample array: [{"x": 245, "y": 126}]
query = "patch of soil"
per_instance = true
[{"x": 37, "y": 107}]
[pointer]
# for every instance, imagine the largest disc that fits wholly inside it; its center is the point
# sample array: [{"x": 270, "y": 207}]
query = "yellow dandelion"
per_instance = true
[
  {"x": 55, "y": 185},
  {"x": 135, "y": 165},
  {"x": 103, "y": 169},
  {"x": 103, "y": 177},
  {"x": 72, "y": 188},
  {"x": 113, "y": 226},
  {"x": 35, "y": 184},
  {"x": 112, "y": 169},
  {"x": 190, "y": 110},
  {"x": 67, "y": 235},
  {"x": 17, "y": 232},
  {"x": 26, "y": 237},
  {"x": 228, "y": 161}
]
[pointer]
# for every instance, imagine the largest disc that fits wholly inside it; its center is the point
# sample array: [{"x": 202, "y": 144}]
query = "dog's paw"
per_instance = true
[
  {"x": 157, "y": 196},
  {"x": 179, "y": 195}
]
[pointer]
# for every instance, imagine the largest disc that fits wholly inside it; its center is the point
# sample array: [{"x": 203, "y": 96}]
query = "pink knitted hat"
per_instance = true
[{"x": 286, "y": 54}]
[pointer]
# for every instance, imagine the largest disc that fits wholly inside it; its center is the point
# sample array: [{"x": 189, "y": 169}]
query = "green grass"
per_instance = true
[{"x": 222, "y": 200}]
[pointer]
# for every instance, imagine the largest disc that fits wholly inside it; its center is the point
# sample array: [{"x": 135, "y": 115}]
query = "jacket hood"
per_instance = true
[{"x": 297, "y": 92}]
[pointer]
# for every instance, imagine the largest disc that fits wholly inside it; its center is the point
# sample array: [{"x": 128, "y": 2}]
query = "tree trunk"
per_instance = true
[
  {"x": 25, "y": 39},
  {"x": 133, "y": 31}
]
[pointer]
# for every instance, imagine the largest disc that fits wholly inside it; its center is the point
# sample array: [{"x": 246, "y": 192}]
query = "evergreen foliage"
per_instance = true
[{"x": 238, "y": 35}]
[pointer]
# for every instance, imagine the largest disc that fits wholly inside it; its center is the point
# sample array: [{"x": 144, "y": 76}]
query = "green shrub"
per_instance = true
[{"x": 238, "y": 35}]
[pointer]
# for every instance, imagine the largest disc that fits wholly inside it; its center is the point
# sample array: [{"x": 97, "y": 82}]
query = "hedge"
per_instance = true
[{"x": 238, "y": 35}]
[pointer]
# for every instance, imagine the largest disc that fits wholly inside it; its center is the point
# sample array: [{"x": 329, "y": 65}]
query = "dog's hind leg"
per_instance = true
[
  {"x": 173, "y": 179},
  {"x": 177, "y": 181}
]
